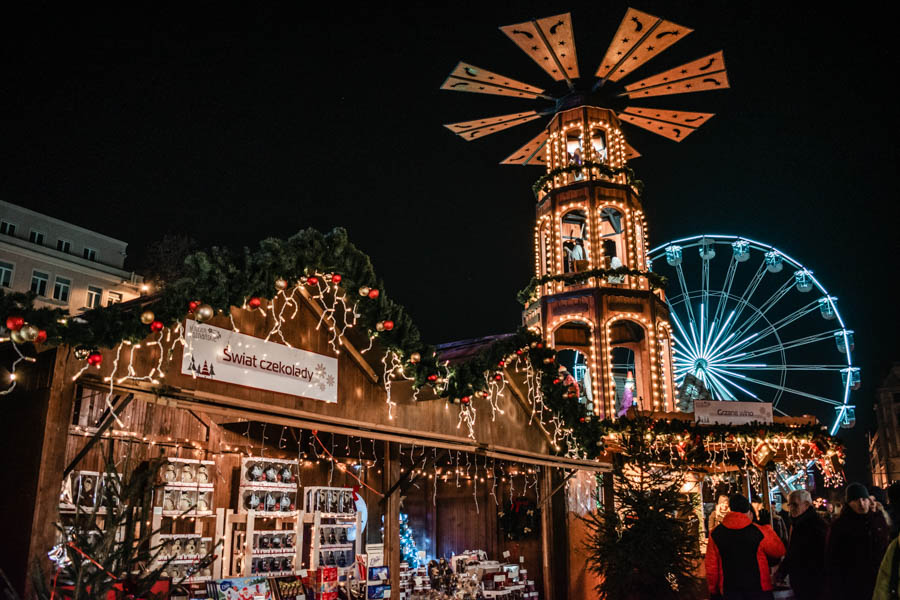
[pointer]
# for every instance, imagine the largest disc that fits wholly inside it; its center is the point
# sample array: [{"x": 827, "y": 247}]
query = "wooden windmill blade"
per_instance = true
[
  {"x": 469, "y": 78},
  {"x": 630, "y": 152},
  {"x": 470, "y": 130},
  {"x": 550, "y": 42},
  {"x": 678, "y": 117},
  {"x": 703, "y": 74},
  {"x": 640, "y": 37},
  {"x": 673, "y": 131},
  {"x": 530, "y": 153}
]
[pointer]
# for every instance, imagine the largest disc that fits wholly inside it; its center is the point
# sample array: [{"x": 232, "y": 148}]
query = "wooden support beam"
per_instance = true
[
  {"x": 98, "y": 435},
  {"x": 391, "y": 468}
]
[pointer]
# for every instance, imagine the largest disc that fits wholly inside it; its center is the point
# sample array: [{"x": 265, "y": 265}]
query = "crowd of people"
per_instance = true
[{"x": 819, "y": 550}]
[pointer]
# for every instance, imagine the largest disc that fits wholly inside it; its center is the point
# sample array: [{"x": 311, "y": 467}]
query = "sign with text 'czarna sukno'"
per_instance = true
[
  {"x": 710, "y": 412},
  {"x": 223, "y": 355}
]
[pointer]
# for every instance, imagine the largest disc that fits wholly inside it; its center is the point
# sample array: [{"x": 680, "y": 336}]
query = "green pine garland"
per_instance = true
[
  {"x": 529, "y": 294},
  {"x": 542, "y": 184},
  {"x": 223, "y": 279}
]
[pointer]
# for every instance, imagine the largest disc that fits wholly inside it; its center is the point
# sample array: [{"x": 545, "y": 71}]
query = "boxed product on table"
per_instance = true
[
  {"x": 239, "y": 587},
  {"x": 326, "y": 574}
]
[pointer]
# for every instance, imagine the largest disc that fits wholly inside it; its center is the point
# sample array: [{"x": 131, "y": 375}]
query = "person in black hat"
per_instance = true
[
  {"x": 856, "y": 544},
  {"x": 738, "y": 553}
]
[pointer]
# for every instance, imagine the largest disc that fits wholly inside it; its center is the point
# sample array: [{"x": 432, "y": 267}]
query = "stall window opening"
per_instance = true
[{"x": 598, "y": 145}]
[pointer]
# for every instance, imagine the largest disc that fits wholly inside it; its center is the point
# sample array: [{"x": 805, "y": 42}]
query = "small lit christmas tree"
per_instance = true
[{"x": 408, "y": 551}]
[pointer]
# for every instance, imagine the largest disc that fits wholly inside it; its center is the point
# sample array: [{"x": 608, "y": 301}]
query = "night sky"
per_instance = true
[{"x": 230, "y": 126}]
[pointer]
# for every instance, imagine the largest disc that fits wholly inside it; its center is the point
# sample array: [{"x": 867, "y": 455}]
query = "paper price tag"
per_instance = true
[
  {"x": 506, "y": 554},
  {"x": 521, "y": 559}
]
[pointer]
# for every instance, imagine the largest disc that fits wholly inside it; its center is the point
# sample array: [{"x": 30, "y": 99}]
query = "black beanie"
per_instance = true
[
  {"x": 855, "y": 491},
  {"x": 738, "y": 503}
]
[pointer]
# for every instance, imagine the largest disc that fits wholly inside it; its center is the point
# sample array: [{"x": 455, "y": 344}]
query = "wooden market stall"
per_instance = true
[{"x": 391, "y": 444}]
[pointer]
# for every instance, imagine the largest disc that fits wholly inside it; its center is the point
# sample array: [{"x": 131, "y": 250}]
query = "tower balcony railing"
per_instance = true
[
  {"x": 579, "y": 172},
  {"x": 620, "y": 278}
]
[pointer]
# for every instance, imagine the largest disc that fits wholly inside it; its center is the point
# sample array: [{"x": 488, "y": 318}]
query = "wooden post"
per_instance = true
[
  {"x": 764, "y": 491},
  {"x": 392, "y": 516},
  {"x": 546, "y": 488}
]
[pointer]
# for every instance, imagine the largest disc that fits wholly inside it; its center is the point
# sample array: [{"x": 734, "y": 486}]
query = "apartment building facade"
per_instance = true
[
  {"x": 884, "y": 442},
  {"x": 67, "y": 266}
]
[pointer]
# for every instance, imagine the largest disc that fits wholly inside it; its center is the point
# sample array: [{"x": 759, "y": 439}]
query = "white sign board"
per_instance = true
[
  {"x": 223, "y": 355},
  {"x": 710, "y": 412}
]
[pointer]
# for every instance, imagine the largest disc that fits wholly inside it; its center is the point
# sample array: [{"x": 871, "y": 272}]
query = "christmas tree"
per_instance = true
[
  {"x": 647, "y": 547},
  {"x": 408, "y": 551}
]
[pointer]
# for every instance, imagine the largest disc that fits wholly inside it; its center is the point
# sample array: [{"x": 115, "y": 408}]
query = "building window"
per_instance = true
[
  {"x": 7, "y": 228},
  {"x": 6, "y": 271},
  {"x": 39, "y": 283},
  {"x": 61, "y": 289},
  {"x": 36, "y": 237},
  {"x": 90, "y": 253},
  {"x": 64, "y": 246},
  {"x": 113, "y": 298},
  {"x": 94, "y": 296}
]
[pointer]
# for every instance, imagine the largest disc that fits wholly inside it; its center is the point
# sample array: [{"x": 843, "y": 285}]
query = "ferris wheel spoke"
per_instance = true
[
  {"x": 684, "y": 294},
  {"x": 764, "y": 308},
  {"x": 744, "y": 300},
  {"x": 718, "y": 389},
  {"x": 719, "y": 375},
  {"x": 704, "y": 302},
  {"x": 771, "y": 328},
  {"x": 690, "y": 351},
  {"x": 810, "y": 339},
  {"x": 726, "y": 290},
  {"x": 762, "y": 367},
  {"x": 778, "y": 387}
]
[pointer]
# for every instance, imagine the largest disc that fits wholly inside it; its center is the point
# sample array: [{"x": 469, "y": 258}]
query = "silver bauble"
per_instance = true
[{"x": 204, "y": 312}]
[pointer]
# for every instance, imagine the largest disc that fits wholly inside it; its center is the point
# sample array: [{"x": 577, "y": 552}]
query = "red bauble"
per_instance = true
[
  {"x": 193, "y": 304},
  {"x": 388, "y": 325},
  {"x": 501, "y": 364},
  {"x": 95, "y": 359},
  {"x": 254, "y": 302},
  {"x": 312, "y": 281},
  {"x": 156, "y": 326},
  {"x": 581, "y": 419},
  {"x": 336, "y": 278},
  {"x": 556, "y": 381},
  {"x": 373, "y": 293},
  {"x": 498, "y": 377},
  {"x": 464, "y": 399},
  {"x": 432, "y": 377},
  {"x": 41, "y": 337},
  {"x": 15, "y": 323},
  {"x": 540, "y": 345},
  {"x": 519, "y": 352}
]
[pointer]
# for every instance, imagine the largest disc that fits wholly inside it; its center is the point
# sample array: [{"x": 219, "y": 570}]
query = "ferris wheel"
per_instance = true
[{"x": 751, "y": 323}]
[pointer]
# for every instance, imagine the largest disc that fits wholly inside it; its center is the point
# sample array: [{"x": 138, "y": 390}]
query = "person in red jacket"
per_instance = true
[{"x": 738, "y": 553}]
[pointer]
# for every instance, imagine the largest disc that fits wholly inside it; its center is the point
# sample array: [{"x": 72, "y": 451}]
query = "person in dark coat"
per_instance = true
[
  {"x": 805, "y": 559},
  {"x": 893, "y": 507},
  {"x": 738, "y": 555},
  {"x": 856, "y": 543}
]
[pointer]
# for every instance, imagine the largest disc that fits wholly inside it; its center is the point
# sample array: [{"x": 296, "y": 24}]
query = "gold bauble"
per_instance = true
[
  {"x": 16, "y": 336},
  {"x": 281, "y": 285},
  {"x": 379, "y": 326},
  {"x": 415, "y": 357},
  {"x": 147, "y": 317},
  {"x": 364, "y": 290},
  {"x": 29, "y": 333},
  {"x": 204, "y": 312}
]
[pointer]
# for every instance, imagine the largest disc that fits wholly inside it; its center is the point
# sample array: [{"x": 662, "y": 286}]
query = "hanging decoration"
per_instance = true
[{"x": 519, "y": 519}]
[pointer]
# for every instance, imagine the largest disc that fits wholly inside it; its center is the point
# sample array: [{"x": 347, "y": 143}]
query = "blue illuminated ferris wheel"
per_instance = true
[{"x": 751, "y": 323}]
